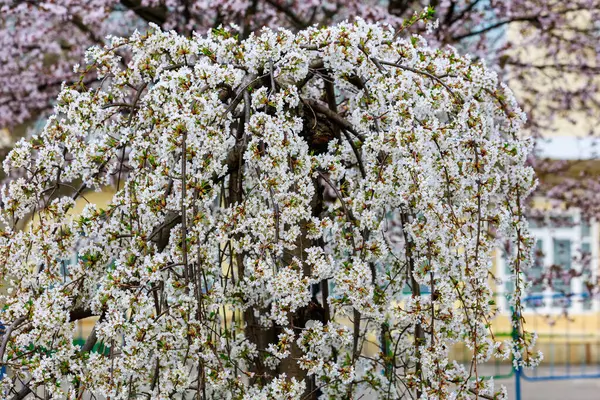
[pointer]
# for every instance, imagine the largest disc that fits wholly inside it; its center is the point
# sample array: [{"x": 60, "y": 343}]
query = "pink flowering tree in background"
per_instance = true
[{"x": 222, "y": 267}]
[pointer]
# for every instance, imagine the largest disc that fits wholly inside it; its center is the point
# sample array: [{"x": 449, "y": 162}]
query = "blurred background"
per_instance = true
[{"x": 546, "y": 50}]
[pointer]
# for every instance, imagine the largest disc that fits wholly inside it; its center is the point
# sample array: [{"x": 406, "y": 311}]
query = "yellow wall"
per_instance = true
[{"x": 570, "y": 123}]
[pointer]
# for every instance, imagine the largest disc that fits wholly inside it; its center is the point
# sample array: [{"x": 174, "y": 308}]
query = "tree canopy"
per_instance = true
[{"x": 295, "y": 214}]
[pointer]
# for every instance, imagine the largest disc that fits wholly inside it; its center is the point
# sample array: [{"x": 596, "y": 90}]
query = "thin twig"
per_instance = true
[{"x": 425, "y": 73}]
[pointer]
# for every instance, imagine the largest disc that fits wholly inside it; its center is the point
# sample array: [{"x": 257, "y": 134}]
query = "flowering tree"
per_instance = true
[{"x": 248, "y": 251}]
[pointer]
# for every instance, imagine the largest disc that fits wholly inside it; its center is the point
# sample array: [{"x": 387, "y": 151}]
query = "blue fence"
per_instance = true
[
  {"x": 568, "y": 328},
  {"x": 3, "y": 368}
]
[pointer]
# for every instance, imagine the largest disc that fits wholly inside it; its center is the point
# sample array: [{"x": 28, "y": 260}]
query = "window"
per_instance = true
[
  {"x": 586, "y": 275},
  {"x": 563, "y": 265},
  {"x": 562, "y": 221},
  {"x": 535, "y": 298},
  {"x": 508, "y": 283},
  {"x": 536, "y": 221},
  {"x": 586, "y": 228},
  {"x": 561, "y": 277}
]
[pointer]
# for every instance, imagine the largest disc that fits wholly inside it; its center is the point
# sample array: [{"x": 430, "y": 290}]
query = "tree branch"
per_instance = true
[
  {"x": 21, "y": 394},
  {"x": 335, "y": 117},
  {"x": 157, "y": 15},
  {"x": 296, "y": 20},
  {"x": 425, "y": 73},
  {"x": 7, "y": 334},
  {"x": 80, "y": 313},
  {"x": 533, "y": 18}
]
